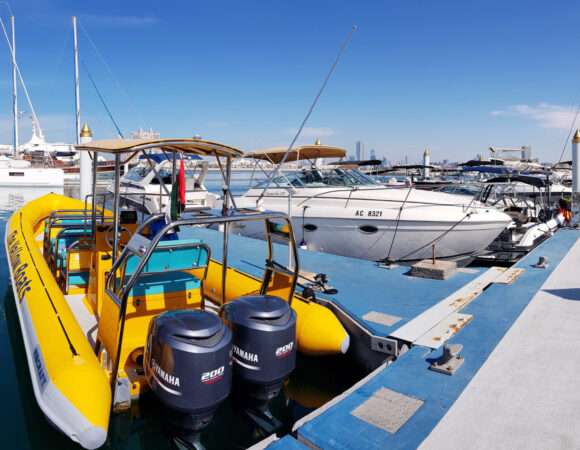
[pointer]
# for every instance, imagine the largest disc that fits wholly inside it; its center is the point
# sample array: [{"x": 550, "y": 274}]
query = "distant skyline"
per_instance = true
[{"x": 453, "y": 76}]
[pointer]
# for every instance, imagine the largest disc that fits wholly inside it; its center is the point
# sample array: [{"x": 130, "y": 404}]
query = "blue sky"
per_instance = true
[{"x": 454, "y": 76}]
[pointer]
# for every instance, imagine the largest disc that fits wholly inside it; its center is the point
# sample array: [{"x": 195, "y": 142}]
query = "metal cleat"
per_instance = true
[
  {"x": 450, "y": 361},
  {"x": 542, "y": 263}
]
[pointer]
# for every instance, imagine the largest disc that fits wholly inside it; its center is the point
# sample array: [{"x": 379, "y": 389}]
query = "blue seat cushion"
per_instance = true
[
  {"x": 171, "y": 255},
  {"x": 78, "y": 279},
  {"x": 164, "y": 283}
]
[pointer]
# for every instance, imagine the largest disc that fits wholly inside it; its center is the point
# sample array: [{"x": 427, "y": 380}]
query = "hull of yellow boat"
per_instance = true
[{"x": 70, "y": 386}]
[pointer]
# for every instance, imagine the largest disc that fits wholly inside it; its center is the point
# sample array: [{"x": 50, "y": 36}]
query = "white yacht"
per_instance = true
[
  {"x": 20, "y": 173},
  {"x": 140, "y": 186},
  {"x": 340, "y": 210},
  {"x": 38, "y": 149}
]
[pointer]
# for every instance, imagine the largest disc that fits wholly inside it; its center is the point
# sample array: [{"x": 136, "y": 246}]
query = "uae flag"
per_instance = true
[{"x": 178, "y": 193}]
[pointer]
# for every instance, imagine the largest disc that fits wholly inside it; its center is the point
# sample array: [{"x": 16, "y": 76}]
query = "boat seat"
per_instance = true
[
  {"x": 56, "y": 256},
  {"x": 66, "y": 260},
  {"x": 164, "y": 283},
  {"x": 171, "y": 279},
  {"x": 173, "y": 255}
]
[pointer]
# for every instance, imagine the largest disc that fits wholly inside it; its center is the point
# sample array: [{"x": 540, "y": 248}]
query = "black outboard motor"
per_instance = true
[
  {"x": 188, "y": 367},
  {"x": 264, "y": 350}
]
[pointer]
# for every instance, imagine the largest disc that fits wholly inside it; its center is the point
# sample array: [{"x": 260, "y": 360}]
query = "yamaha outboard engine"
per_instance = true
[
  {"x": 264, "y": 350},
  {"x": 188, "y": 367}
]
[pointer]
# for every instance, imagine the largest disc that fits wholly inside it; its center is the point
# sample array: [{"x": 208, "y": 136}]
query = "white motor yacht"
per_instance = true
[
  {"x": 343, "y": 211},
  {"x": 140, "y": 186},
  {"x": 20, "y": 173}
]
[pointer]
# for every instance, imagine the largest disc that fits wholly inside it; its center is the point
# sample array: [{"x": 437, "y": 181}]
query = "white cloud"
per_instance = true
[
  {"x": 312, "y": 132},
  {"x": 544, "y": 114},
  {"x": 120, "y": 21}
]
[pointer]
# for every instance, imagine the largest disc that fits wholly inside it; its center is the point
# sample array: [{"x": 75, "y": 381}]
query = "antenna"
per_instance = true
[{"x": 312, "y": 106}]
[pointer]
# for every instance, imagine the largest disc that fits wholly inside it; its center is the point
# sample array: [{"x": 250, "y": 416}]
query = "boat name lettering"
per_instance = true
[
  {"x": 368, "y": 213},
  {"x": 278, "y": 193},
  {"x": 167, "y": 377},
  {"x": 285, "y": 350},
  {"x": 21, "y": 280},
  {"x": 251, "y": 357},
  {"x": 39, "y": 367},
  {"x": 213, "y": 376}
]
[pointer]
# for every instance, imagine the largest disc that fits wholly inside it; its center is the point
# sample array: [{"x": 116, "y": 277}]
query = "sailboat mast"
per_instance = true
[
  {"x": 77, "y": 86},
  {"x": 85, "y": 169},
  {"x": 14, "y": 87}
]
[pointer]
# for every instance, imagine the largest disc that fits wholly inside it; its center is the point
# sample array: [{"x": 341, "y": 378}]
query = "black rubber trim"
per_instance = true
[{"x": 71, "y": 346}]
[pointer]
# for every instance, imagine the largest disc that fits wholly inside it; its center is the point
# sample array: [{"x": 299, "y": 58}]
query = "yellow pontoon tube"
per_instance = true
[{"x": 70, "y": 386}]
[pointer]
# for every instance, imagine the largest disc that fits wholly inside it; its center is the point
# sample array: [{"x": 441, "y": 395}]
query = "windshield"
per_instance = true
[
  {"x": 165, "y": 174},
  {"x": 137, "y": 173},
  {"x": 321, "y": 178},
  {"x": 140, "y": 171}
]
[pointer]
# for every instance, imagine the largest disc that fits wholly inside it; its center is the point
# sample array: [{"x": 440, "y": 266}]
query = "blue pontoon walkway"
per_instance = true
[
  {"x": 375, "y": 303},
  {"x": 518, "y": 386}
]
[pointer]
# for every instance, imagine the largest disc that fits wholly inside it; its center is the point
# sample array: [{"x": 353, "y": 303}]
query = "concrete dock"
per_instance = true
[{"x": 517, "y": 385}]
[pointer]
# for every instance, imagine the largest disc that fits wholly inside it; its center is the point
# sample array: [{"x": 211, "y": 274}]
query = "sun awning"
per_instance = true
[
  {"x": 275, "y": 155},
  {"x": 184, "y": 145}
]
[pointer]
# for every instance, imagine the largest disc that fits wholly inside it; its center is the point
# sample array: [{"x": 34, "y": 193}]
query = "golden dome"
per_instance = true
[
  {"x": 576, "y": 138},
  {"x": 86, "y": 131}
]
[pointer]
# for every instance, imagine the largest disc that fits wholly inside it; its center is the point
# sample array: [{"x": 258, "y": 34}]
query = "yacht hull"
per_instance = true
[
  {"x": 394, "y": 224},
  {"x": 31, "y": 177},
  {"x": 407, "y": 241}
]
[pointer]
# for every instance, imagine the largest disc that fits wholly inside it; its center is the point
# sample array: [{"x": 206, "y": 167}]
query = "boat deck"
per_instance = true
[{"x": 517, "y": 386}]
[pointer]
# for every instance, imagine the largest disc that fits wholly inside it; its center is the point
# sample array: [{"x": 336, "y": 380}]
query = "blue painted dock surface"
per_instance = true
[
  {"x": 420, "y": 398},
  {"x": 362, "y": 286},
  {"x": 495, "y": 310}
]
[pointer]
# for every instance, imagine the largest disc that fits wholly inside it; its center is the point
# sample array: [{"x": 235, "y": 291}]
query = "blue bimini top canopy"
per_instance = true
[{"x": 488, "y": 169}]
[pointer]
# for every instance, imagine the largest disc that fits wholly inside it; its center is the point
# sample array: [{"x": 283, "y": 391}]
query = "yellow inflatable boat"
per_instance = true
[{"x": 88, "y": 282}]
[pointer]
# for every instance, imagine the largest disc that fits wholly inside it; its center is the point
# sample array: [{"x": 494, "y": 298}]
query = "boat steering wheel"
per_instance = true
[{"x": 109, "y": 238}]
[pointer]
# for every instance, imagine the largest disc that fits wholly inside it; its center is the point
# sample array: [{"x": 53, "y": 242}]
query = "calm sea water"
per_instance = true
[{"x": 23, "y": 426}]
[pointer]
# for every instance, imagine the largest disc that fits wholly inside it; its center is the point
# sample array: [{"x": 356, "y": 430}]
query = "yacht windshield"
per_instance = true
[
  {"x": 321, "y": 178},
  {"x": 137, "y": 173},
  {"x": 140, "y": 171},
  {"x": 165, "y": 174}
]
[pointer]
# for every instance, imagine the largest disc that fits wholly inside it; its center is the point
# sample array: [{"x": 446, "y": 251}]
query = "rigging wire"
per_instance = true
[
  {"x": 25, "y": 89},
  {"x": 570, "y": 131},
  {"x": 310, "y": 110},
  {"x": 110, "y": 71},
  {"x": 102, "y": 99}
]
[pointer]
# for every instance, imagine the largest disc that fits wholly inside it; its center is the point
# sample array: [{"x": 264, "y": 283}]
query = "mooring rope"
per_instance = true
[
  {"x": 438, "y": 238},
  {"x": 397, "y": 223},
  {"x": 433, "y": 241}
]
